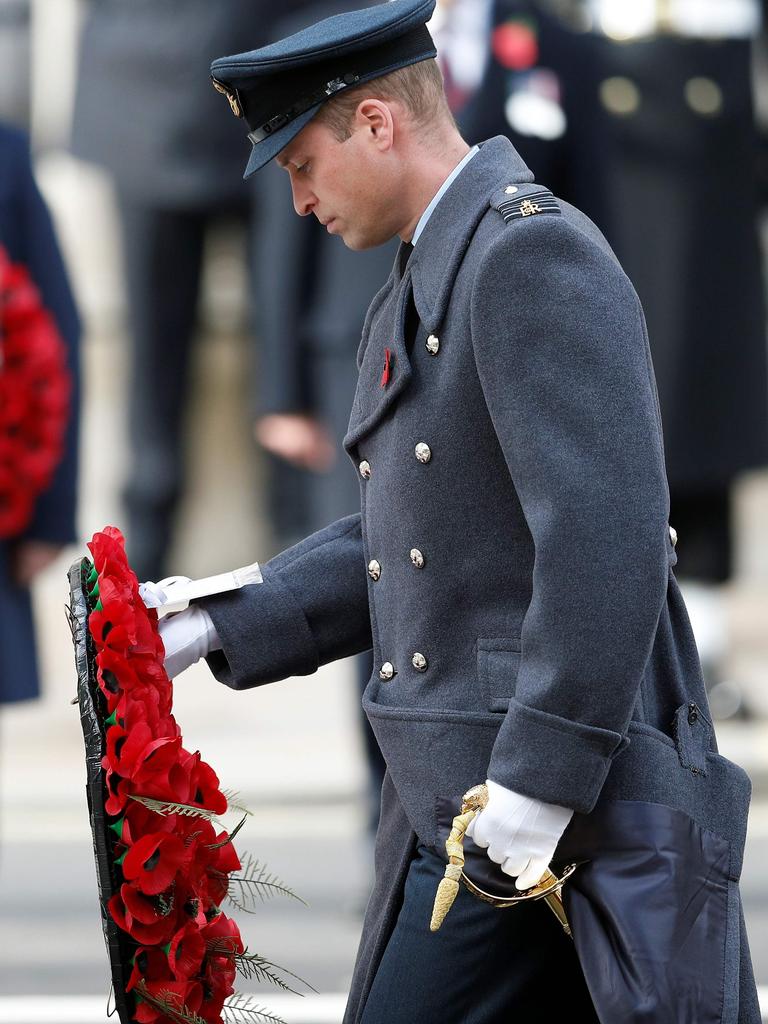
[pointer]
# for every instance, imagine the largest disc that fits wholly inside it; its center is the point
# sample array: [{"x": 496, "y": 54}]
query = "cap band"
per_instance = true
[
  {"x": 299, "y": 87},
  {"x": 279, "y": 120}
]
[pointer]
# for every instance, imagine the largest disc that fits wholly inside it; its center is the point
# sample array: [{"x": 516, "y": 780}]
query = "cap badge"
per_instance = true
[{"x": 230, "y": 94}]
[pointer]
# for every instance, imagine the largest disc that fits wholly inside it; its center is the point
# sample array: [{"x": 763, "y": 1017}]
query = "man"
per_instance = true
[
  {"x": 144, "y": 114},
  {"x": 28, "y": 240},
  {"x": 511, "y": 565}
]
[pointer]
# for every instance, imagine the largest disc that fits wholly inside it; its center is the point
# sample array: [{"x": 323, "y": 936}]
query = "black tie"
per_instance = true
[{"x": 405, "y": 254}]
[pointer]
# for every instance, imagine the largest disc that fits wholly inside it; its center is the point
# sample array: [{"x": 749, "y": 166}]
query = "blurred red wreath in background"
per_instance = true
[{"x": 35, "y": 391}]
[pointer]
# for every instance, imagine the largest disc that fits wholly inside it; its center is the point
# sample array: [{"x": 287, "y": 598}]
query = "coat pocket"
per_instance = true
[{"x": 498, "y": 661}]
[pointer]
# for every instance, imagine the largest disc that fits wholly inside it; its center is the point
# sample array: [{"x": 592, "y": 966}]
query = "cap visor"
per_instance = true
[{"x": 268, "y": 148}]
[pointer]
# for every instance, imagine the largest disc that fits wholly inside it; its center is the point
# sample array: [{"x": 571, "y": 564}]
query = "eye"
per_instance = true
[{"x": 303, "y": 168}]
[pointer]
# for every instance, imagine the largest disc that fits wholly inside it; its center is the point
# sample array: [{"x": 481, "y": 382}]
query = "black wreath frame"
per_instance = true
[{"x": 93, "y": 707}]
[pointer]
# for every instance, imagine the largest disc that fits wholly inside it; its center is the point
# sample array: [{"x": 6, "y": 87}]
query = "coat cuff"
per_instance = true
[
  {"x": 553, "y": 759},
  {"x": 252, "y": 624}
]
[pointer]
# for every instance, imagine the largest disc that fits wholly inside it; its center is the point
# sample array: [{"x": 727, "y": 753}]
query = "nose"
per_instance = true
[{"x": 304, "y": 200}]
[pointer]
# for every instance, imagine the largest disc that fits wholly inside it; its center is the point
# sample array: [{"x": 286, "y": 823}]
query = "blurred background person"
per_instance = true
[
  {"x": 642, "y": 115},
  {"x": 146, "y": 112},
  {"x": 314, "y": 294},
  {"x": 28, "y": 242}
]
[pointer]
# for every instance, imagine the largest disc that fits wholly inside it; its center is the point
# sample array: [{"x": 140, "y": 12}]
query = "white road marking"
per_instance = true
[{"x": 326, "y": 1008}]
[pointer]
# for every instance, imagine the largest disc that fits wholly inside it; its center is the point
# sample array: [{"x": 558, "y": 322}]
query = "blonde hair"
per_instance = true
[{"x": 419, "y": 87}]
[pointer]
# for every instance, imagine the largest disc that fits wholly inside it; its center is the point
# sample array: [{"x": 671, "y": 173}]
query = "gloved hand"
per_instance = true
[
  {"x": 187, "y": 637},
  {"x": 520, "y": 833}
]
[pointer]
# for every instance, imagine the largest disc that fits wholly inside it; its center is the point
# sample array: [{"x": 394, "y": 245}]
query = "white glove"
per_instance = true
[
  {"x": 187, "y": 637},
  {"x": 189, "y": 634},
  {"x": 520, "y": 833}
]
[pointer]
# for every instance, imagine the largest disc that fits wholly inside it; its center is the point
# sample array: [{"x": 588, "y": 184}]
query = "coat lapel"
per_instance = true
[
  {"x": 427, "y": 279},
  {"x": 385, "y": 369}
]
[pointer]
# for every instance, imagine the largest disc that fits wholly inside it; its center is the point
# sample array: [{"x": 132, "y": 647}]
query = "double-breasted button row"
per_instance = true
[
  {"x": 365, "y": 469},
  {"x": 423, "y": 454},
  {"x": 432, "y": 344},
  {"x": 374, "y": 566},
  {"x": 387, "y": 670},
  {"x": 673, "y": 536}
]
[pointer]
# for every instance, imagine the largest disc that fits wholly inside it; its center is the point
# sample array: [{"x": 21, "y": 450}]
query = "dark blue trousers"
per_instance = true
[{"x": 484, "y": 966}]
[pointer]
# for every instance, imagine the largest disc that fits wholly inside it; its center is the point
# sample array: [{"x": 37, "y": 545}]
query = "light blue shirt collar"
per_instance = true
[{"x": 440, "y": 193}]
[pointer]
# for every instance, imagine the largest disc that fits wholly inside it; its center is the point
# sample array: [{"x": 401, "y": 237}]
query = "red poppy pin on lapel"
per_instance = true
[{"x": 387, "y": 372}]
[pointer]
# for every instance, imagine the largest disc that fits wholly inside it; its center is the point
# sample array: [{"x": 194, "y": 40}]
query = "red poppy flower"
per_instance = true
[
  {"x": 203, "y": 872},
  {"x": 186, "y": 952},
  {"x": 180, "y": 994},
  {"x": 119, "y": 791},
  {"x": 108, "y": 547},
  {"x": 116, "y": 738},
  {"x": 223, "y": 941},
  {"x": 144, "y": 918},
  {"x": 139, "y": 821},
  {"x": 142, "y": 757},
  {"x": 153, "y": 862},
  {"x": 115, "y": 587},
  {"x": 149, "y": 964},
  {"x": 223, "y": 931},
  {"x": 204, "y": 785},
  {"x": 142, "y": 705},
  {"x": 113, "y": 627}
]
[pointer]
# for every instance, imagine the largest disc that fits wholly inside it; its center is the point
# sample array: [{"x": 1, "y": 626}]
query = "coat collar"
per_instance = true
[
  {"x": 437, "y": 256},
  {"x": 429, "y": 275}
]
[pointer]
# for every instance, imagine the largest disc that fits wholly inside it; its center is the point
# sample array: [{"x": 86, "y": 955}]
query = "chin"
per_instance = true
[{"x": 358, "y": 243}]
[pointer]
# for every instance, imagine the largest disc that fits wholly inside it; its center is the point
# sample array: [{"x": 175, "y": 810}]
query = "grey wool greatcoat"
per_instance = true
[{"x": 512, "y": 562}]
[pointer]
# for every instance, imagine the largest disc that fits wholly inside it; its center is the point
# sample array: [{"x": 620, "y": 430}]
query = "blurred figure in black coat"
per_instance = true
[
  {"x": 28, "y": 240},
  {"x": 644, "y": 119},
  {"x": 145, "y": 110},
  {"x": 314, "y": 294}
]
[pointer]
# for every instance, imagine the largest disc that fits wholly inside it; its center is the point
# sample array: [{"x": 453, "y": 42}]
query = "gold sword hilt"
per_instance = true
[{"x": 549, "y": 886}]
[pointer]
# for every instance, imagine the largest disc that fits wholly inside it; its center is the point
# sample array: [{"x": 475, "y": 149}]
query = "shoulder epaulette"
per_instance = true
[{"x": 516, "y": 202}]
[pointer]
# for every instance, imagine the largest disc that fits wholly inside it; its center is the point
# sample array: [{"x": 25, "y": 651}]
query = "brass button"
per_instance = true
[
  {"x": 365, "y": 469},
  {"x": 387, "y": 670},
  {"x": 423, "y": 452},
  {"x": 673, "y": 536},
  {"x": 433, "y": 344},
  {"x": 510, "y": 190},
  {"x": 374, "y": 569},
  {"x": 419, "y": 662},
  {"x": 417, "y": 558}
]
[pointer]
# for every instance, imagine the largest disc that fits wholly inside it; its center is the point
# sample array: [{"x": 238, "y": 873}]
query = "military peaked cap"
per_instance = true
[{"x": 279, "y": 88}]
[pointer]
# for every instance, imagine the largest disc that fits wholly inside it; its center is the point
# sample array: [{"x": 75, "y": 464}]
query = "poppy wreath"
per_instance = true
[
  {"x": 164, "y": 866},
  {"x": 35, "y": 393}
]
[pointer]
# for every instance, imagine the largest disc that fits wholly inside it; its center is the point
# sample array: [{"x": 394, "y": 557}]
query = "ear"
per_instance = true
[{"x": 376, "y": 118}]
